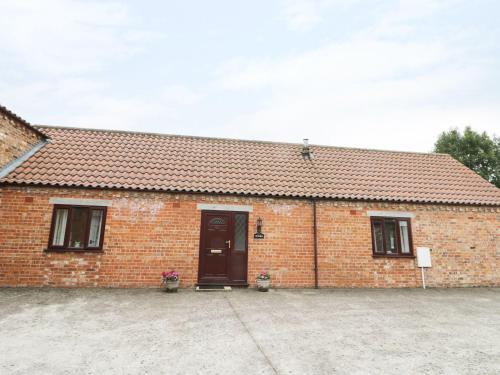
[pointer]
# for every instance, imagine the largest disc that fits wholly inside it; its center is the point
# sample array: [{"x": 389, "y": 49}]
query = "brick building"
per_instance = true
[
  {"x": 17, "y": 137},
  {"x": 81, "y": 207}
]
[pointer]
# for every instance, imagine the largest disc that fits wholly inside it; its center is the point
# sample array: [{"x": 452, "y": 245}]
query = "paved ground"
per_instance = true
[{"x": 90, "y": 331}]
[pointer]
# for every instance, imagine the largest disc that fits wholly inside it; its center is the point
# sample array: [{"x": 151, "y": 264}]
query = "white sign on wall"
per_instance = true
[
  {"x": 424, "y": 257},
  {"x": 423, "y": 261}
]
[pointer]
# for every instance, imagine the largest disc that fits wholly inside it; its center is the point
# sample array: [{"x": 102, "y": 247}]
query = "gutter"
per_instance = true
[
  {"x": 315, "y": 230},
  {"x": 21, "y": 159}
]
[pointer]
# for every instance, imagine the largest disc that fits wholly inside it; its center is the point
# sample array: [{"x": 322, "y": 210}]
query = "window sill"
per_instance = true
[
  {"x": 393, "y": 256},
  {"x": 73, "y": 250}
]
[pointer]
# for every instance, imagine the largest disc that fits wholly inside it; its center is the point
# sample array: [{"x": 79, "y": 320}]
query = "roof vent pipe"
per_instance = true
[{"x": 306, "y": 151}]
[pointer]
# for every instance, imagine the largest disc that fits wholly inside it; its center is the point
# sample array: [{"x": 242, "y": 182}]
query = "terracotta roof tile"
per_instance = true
[{"x": 113, "y": 159}]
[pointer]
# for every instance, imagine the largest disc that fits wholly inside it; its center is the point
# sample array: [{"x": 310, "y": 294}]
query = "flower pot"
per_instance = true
[
  {"x": 172, "y": 286},
  {"x": 263, "y": 285}
]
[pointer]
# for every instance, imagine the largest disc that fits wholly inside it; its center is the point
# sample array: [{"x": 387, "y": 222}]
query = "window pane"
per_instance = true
[
  {"x": 78, "y": 227},
  {"x": 390, "y": 236},
  {"x": 405, "y": 240},
  {"x": 95, "y": 228},
  {"x": 60, "y": 227},
  {"x": 378, "y": 236},
  {"x": 240, "y": 232},
  {"x": 217, "y": 221}
]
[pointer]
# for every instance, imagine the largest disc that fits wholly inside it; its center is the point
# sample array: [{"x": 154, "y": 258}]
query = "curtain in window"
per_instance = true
[
  {"x": 390, "y": 237},
  {"x": 60, "y": 227},
  {"x": 378, "y": 236},
  {"x": 405, "y": 240},
  {"x": 95, "y": 228}
]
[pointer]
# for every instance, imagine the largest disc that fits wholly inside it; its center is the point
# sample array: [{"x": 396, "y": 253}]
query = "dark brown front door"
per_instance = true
[{"x": 223, "y": 248}]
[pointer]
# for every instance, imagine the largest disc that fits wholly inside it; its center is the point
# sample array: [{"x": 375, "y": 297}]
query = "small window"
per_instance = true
[
  {"x": 240, "y": 232},
  {"x": 391, "y": 237},
  {"x": 77, "y": 228},
  {"x": 378, "y": 237},
  {"x": 217, "y": 221},
  {"x": 59, "y": 226},
  {"x": 96, "y": 218}
]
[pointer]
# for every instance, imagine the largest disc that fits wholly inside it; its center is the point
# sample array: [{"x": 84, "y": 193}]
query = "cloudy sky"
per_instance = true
[{"x": 361, "y": 73}]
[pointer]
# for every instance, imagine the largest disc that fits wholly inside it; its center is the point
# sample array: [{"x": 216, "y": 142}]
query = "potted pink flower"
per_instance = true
[
  {"x": 263, "y": 281},
  {"x": 171, "y": 281}
]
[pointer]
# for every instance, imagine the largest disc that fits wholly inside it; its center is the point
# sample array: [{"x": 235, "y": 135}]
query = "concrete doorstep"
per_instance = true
[{"x": 213, "y": 288}]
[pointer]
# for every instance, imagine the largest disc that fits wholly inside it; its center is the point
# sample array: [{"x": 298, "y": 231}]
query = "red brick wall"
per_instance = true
[
  {"x": 465, "y": 243},
  {"x": 147, "y": 233},
  {"x": 15, "y": 139}
]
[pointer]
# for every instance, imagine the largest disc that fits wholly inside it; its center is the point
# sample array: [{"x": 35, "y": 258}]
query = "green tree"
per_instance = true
[{"x": 477, "y": 151}]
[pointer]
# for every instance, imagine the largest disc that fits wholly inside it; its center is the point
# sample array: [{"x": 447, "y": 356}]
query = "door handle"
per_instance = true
[{"x": 228, "y": 244}]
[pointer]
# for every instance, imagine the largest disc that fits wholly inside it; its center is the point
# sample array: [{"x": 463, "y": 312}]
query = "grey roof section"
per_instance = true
[{"x": 21, "y": 159}]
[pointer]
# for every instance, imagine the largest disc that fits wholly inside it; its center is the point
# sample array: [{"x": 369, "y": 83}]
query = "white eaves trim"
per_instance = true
[
  {"x": 410, "y": 215},
  {"x": 81, "y": 202}
]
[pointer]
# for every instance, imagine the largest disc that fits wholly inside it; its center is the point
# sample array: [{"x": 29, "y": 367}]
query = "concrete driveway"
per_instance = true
[{"x": 99, "y": 331}]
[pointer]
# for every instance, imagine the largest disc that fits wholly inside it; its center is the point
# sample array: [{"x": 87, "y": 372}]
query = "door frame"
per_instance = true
[{"x": 201, "y": 259}]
